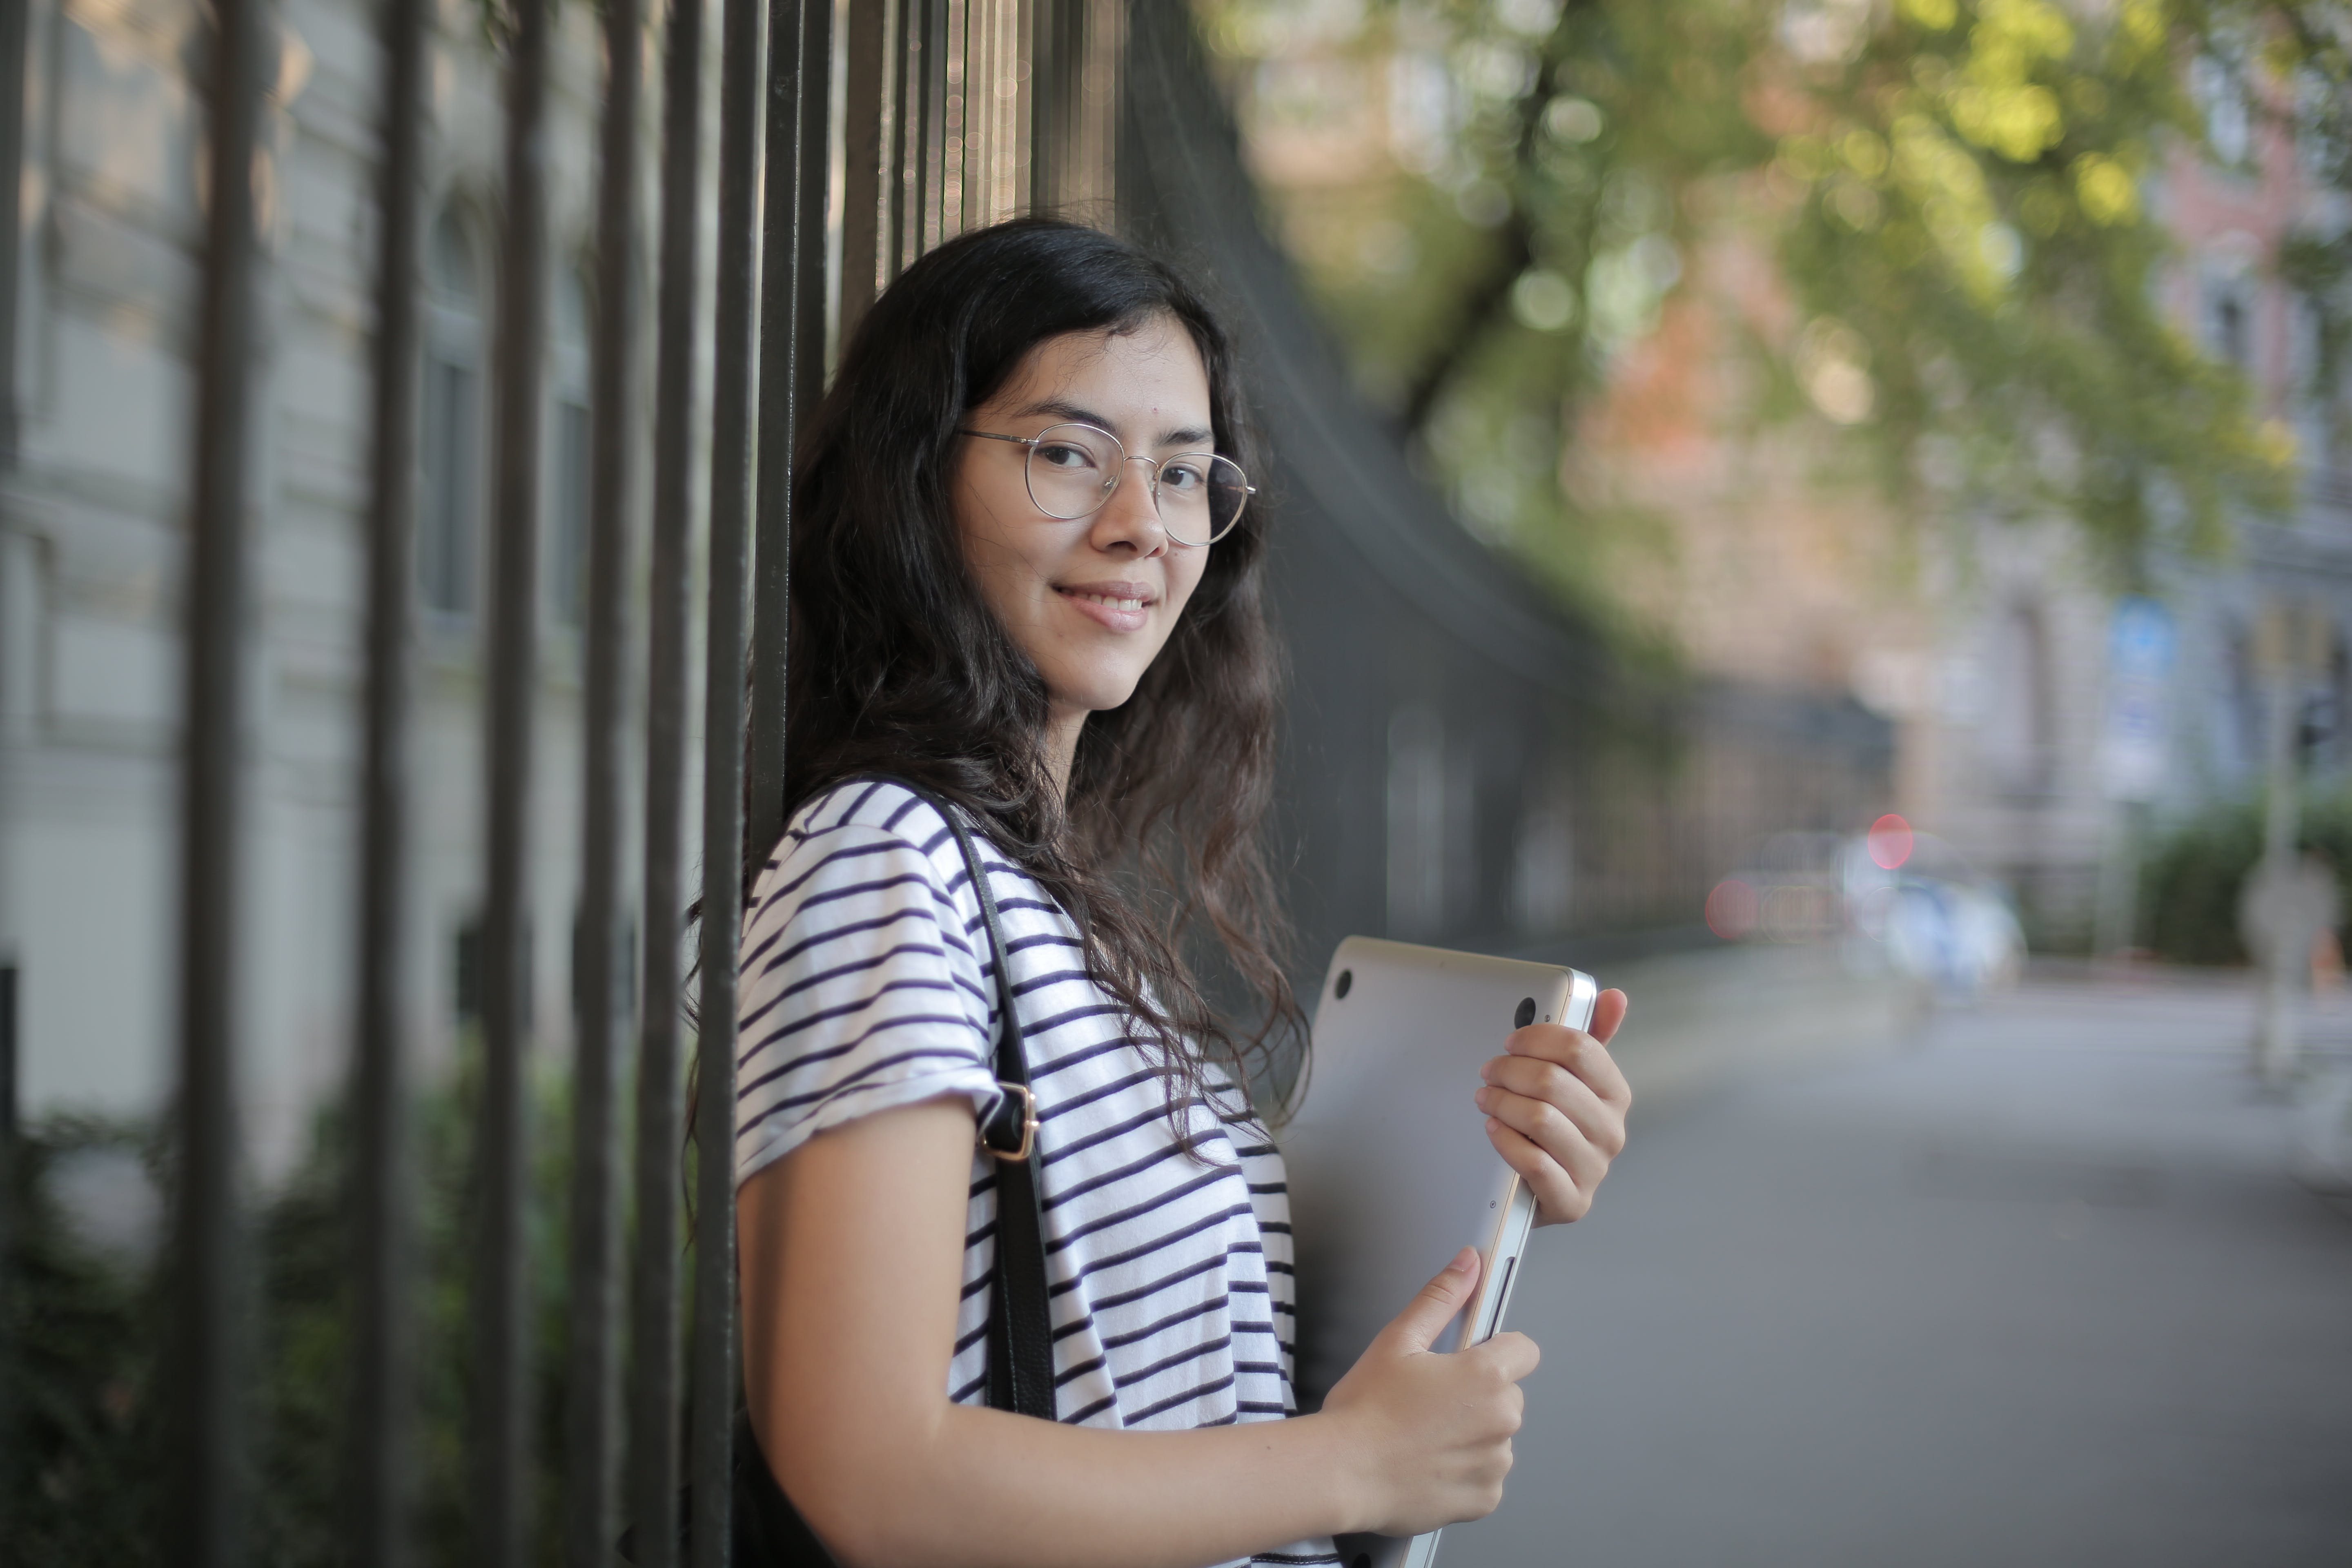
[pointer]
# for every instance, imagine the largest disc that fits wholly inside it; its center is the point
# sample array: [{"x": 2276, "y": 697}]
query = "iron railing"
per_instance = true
[{"x": 949, "y": 121}]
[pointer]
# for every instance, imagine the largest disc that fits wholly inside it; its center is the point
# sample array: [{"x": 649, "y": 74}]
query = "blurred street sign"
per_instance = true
[{"x": 2141, "y": 647}]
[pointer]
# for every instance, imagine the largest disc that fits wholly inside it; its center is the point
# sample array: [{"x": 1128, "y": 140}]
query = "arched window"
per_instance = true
[
  {"x": 2229, "y": 325},
  {"x": 568, "y": 483},
  {"x": 449, "y": 444},
  {"x": 2217, "y": 88}
]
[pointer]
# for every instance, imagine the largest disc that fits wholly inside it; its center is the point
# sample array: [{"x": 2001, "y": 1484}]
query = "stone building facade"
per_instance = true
[{"x": 92, "y": 534}]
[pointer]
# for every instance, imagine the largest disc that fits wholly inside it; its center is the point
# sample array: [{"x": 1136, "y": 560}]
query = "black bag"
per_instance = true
[{"x": 769, "y": 1531}]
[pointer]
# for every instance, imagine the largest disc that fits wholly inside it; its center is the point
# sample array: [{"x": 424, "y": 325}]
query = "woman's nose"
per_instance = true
[{"x": 1130, "y": 516}]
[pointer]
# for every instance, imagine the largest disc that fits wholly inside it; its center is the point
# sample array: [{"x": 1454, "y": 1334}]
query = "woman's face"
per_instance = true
[{"x": 1090, "y": 600}]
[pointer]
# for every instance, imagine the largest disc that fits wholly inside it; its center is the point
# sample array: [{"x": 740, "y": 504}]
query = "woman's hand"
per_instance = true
[
  {"x": 1556, "y": 1105},
  {"x": 1436, "y": 1429}
]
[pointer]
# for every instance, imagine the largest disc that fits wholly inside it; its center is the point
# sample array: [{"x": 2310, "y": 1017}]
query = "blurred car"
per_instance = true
[{"x": 1893, "y": 897}]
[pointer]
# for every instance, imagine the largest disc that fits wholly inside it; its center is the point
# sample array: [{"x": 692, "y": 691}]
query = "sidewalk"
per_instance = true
[{"x": 2032, "y": 1285}]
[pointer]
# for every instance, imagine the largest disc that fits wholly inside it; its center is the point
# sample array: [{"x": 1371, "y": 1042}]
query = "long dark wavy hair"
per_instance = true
[{"x": 899, "y": 666}]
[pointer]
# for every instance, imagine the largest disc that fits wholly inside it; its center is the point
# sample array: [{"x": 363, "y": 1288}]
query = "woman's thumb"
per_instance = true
[{"x": 1426, "y": 1315}]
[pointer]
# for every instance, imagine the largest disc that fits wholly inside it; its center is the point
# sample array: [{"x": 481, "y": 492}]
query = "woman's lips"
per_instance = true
[{"x": 1122, "y": 606}]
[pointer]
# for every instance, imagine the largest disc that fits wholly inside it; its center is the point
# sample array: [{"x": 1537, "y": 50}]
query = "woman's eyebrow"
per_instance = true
[{"x": 1185, "y": 435}]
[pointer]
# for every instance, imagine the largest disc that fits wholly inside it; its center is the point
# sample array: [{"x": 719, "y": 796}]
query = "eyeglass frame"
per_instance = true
[{"x": 1125, "y": 457}]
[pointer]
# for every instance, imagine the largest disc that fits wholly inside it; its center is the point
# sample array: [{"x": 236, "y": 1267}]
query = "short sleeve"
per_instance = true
[{"x": 860, "y": 988}]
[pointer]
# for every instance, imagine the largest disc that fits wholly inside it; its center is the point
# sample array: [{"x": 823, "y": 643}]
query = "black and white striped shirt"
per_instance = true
[{"x": 866, "y": 984}]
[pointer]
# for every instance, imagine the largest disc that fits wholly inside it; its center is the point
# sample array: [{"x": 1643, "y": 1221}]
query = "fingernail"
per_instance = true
[
  {"x": 1462, "y": 1261},
  {"x": 1493, "y": 1125}
]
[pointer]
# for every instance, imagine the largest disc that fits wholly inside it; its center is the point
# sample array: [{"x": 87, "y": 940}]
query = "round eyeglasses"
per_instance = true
[{"x": 1073, "y": 468}]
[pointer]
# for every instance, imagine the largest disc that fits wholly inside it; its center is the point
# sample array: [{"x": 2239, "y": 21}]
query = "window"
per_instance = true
[
  {"x": 569, "y": 485},
  {"x": 2018, "y": 729},
  {"x": 449, "y": 444},
  {"x": 2229, "y": 325},
  {"x": 2219, "y": 89},
  {"x": 2242, "y": 719}
]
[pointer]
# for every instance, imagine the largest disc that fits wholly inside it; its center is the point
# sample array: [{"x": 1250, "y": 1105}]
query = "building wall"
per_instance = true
[
  {"x": 94, "y": 538},
  {"x": 2050, "y": 827}
]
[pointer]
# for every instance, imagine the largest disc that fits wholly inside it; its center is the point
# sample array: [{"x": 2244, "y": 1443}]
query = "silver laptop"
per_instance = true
[{"x": 1391, "y": 1172}]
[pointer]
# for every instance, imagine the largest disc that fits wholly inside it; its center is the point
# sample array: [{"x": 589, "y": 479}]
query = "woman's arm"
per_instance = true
[{"x": 852, "y": 1265}]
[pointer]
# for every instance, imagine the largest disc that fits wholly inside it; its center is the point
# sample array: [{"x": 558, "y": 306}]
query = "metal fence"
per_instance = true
[{"x": 850, "y": 138}]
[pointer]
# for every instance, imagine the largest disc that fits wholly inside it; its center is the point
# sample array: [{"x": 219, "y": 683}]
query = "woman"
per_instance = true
[{"x": 1026, "y": 577}]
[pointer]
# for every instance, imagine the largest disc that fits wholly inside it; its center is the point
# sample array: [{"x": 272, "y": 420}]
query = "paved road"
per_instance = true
[{"x": 2036, "y": 1289}]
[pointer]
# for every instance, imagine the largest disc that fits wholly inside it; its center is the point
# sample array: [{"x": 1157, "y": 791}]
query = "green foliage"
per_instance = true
[
  {"x": 1947, "y": 199},
  {"x": 1967, "y": 205},
  {"x": 2191, "y": 879},
  {"x": 83, "y": 1484},
  {"x": 81, "y": 1336}
]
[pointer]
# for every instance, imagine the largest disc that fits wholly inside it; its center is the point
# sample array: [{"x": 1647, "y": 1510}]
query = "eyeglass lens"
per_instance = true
[{"x": 1073, "y": 468}]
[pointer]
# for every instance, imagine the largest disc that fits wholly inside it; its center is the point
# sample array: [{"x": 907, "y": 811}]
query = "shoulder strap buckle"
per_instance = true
[{"x": 1012, "y": 1129}]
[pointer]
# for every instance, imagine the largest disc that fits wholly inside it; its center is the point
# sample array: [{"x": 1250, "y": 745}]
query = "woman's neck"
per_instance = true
[{"x": 1062, "y": 727}]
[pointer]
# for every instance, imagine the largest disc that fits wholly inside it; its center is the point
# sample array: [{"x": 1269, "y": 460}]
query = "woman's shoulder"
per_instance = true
[
  {"x": 870, "y": 820},
  {"x": 869, "y": 808},
  {"x": 854, "y": 852}
]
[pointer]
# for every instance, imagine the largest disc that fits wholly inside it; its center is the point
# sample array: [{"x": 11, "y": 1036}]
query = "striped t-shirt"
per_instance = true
[{"x": 867, "y": 983}]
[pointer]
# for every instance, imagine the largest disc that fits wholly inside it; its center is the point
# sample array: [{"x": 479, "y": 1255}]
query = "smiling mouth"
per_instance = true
[{"x": 1108, "y": 600}]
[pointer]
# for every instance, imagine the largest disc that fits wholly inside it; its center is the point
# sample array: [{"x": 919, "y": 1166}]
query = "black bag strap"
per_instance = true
[{"x": 1020, "y": 1315}]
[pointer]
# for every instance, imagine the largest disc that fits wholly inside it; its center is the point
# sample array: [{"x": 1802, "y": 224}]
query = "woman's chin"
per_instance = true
[{"x": 1079, "y": 700}]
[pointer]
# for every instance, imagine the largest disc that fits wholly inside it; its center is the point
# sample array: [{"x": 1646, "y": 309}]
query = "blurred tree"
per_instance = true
[{"x": 1950, "y": 201}]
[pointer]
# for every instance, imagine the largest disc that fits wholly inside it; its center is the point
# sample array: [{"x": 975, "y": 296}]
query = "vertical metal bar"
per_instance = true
[
  {"x": 654, "y": 1304},
  {"x": 207, "y": 1457},
  {"x": 955, "y": 168},
  {"x": 811, "y": 284},
  {"x": 500, "y": 1458},
  {"x": 900, "y": 103},
  {"x": 979, "y": 104},
  {"x": 1106, "y": 79},
  {"x": 709, "y": 1433},
  {"x": 10, "y": 1313},
  {"x": 1044, "y": 104},
  {"x": 591, "y": 1438},
  {"x": 1007, "y": 168},
  {"x": 933, "y": 227},
  {"x": 16, "y": 19},
  {"x": 862, "y": 145},
  {"x": 381, "y": 1197},
  {"x": 1069, "y": 110},
  {"x": 15, "y": 22},
  {"x": 789, "y": 340}
]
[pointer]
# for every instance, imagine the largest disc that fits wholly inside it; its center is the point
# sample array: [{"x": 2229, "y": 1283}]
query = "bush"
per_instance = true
[
  {"x": 82, "y": 1483},
  {"x": 79, "y": 1487},
  {"x": 2191, "y": 879}
]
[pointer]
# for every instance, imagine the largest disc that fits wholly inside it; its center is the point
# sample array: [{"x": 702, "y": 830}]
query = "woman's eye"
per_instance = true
[
  {"x": 1055, "y": 455},
  {"x": 1182, "y": 477}
]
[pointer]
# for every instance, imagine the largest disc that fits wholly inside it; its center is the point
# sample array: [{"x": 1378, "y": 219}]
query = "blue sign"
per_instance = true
[{"x": 2141, "y": 647}]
